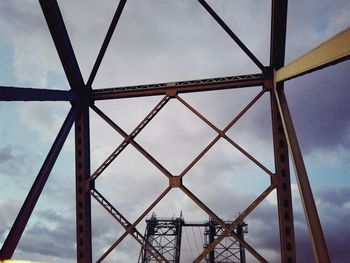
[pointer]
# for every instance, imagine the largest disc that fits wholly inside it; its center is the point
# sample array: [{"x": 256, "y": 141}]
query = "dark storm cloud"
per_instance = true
[
  {"x": 15, "y": 161},
  {"x": 320, "y": 107},
  {"x": 51, "y": 235},
  {"x": 6, "y": 154},
  {"x": 334, "y": 210}
]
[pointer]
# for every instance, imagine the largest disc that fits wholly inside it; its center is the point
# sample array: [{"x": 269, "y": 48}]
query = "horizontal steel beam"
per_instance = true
[
  {"x": 172, "y": 88},
  {"x": 30, "y": 94}
]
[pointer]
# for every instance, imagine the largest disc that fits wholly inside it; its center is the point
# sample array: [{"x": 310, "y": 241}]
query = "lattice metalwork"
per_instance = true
[
  {"x": 229, "y": 250},
  {"x": 165, "y": 235},
  {"x": 82, "y": 98}
]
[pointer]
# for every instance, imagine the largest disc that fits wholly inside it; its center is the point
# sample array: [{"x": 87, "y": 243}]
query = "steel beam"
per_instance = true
[
  {"x": 83, "y": 202},
  {"x": 31, "y": 94},
  {"x": 332, "y": 51},
  {"x": 24, "y": 214},
  {"x": 222, "y": 134},
  {"x": 63, "y": 45},
  {"x": 281, "y": 180},
  {"x": 233, "y": 82},
  {"x": 106, "y": 41},
  {"x": 129, "y": 228},
  {"x": 233, "y": 225},
  {"x": 137, "y": 221},
  {"x": 231, "y": 34},
  {"x": 278, "y": 33},
  {"x": 130, "y": 138},
  {"x": 313, "y": 222},
  {"x": 132, "y": 142}
]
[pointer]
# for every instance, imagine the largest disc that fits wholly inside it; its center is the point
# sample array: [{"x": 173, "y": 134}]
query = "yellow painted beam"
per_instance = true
[{"x": 332, "y": 51}]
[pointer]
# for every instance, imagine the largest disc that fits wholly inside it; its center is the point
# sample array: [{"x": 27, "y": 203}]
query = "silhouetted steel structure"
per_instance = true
[
  {"x": 165, "y": 235},
  {"x": 229, "y": 250},
  {"x": 82, "y": 97}
]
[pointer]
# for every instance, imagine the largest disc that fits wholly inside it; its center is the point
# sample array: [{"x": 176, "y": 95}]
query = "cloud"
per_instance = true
[
  {"x": 34, "y": 55},
  {"x": 51, "y": 235},
  {"x": 45, "y": 118},
  {"x": 319, "y": 107},
  {"x": 10, "y": 158}
]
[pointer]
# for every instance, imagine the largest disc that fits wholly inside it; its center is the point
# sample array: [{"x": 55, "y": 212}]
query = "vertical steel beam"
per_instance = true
[
  {"x": 281, "y": 180},
  {"x": 83, "y": 203},
  {"x": 212, "y": 232},
  {"x": 240, "y": 234},
  {"x": 314, "y": 225},
  {"x": 24, "y": 214},
  {"x": 278, "y": 33}
]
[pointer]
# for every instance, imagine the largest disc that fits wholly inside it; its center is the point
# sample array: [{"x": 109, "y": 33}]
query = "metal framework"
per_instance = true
[
  {"x": 229, "y": 250},
  {"x": 82, "y": 97},
  {"x": 165, "y": 234}
]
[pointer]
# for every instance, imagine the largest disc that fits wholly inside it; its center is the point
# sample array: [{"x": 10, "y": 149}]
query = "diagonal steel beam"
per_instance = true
[
  {"x": 222, "y": 134},
  {"x": 131, "y": 138},
  {"x": 31, "y": 94},
  {"x": 106, "y": 41},
  {"x": 228, "y": 230},
  {"x": 132, "y": 142},
  {"x": 23, "y": 216},
  {"x": 232, "y": 82},
  {"x": 138, "y": 220},
  {"x": 130, "y": 229},
  {"x": 203, "y": 206},
  {"x": 231, "y": 34},
  {"x": 63, "y": 45},
  {"x": 332, "y": 51}
]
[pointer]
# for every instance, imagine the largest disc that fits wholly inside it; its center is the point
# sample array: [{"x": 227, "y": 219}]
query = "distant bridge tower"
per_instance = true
[
  {"x": 165, "y": 236},
  {"x": 229, "y": 250}
]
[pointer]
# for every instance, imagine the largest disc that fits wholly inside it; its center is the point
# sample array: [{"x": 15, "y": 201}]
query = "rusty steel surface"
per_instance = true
[
  {"x": 283, "y": 186},
  {"x": 82, "y": 97},
  {"x": 318, "y": 243},
  {"x": 187, "y": 86},
  {"x": 83, "y": 203}
]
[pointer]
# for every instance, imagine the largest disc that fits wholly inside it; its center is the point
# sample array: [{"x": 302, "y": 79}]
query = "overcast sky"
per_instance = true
[{"x": 161, "y": 41}]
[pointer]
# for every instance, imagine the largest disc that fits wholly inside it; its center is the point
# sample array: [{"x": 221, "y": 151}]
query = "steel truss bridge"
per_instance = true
[
  {"x": 81, "y": 96},
  {"x": 166, "y": 235}
]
